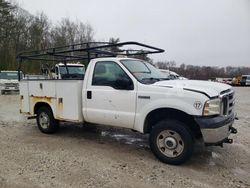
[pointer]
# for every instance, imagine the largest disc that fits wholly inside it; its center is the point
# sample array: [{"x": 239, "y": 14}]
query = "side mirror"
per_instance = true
[{"x": 124, "y": 84}]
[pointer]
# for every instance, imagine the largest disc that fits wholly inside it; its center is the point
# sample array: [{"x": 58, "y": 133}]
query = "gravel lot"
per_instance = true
[{"x": 96, "y": 156}]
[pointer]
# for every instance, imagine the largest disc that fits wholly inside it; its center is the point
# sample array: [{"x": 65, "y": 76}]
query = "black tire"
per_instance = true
[
  {"x": 46, "y": 121},
  {"x": 171, "y": 142}
]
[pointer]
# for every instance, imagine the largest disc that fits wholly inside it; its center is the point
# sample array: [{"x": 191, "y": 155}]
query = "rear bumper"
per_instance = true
[{"x": 216, "y": 129}]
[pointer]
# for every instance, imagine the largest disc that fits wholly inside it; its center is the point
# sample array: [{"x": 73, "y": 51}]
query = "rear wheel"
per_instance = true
[
  {"x": 171, "y": 142},
  {"x": 46, "y": 121}
]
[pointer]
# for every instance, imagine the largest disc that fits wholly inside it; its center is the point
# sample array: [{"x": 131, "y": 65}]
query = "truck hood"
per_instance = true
[{"x": 211, "y": 89}]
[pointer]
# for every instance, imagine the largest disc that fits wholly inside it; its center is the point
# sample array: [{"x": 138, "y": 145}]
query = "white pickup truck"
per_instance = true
[
  {"x": 133, "y": 94},
  {"x": 9, "y": 82}
]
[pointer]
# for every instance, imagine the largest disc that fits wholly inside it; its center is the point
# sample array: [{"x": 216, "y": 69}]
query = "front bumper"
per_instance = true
[
  {"x": 10, "y": 89},
  {"x": 216, "y": 130}
]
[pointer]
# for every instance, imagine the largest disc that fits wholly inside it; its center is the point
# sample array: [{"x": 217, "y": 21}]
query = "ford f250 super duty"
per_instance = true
[{"x": 131, "y": 93}]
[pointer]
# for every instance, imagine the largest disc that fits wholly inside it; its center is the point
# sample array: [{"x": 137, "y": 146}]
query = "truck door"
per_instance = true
[{"x": 111, "y": 96}]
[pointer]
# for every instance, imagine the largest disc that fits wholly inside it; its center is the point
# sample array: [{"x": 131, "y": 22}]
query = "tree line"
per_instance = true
[
  {"x": 21, "y": 31},
  {"x": 203, "y": 72}
]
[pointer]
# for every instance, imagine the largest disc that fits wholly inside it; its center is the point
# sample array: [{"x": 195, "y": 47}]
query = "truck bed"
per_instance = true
[{"x": 63, "y": 96}]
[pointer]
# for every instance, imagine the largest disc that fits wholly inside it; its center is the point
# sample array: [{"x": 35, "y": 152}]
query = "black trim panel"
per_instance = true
[
  {"x": 143, "y": 97},
  {"x": 165, "y": 86},
  {"x": 215, "y": 121}
]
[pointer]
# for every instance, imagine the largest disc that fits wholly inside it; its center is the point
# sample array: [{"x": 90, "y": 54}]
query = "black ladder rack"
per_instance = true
[{"x": 87, "y": 51}]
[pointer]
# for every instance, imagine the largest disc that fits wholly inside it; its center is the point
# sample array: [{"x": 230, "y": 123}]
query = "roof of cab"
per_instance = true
[
  {"x": 115, "y": 58},
  {"x": 71, "y": 64}
]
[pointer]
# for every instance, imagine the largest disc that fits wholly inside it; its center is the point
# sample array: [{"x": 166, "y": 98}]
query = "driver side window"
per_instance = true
[{"x": 108, "y": 73}]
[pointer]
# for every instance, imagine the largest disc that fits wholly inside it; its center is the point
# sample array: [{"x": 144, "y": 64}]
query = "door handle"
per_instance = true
[{"x": 89, "y": 94}]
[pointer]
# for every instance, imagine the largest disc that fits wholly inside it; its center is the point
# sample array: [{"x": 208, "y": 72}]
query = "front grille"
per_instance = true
[
  {"x": 11, "y": 86},
  {"x": 228, "y": 99}
]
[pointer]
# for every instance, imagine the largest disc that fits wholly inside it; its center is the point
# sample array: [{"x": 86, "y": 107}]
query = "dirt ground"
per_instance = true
[{"x": 79, "y": 156}]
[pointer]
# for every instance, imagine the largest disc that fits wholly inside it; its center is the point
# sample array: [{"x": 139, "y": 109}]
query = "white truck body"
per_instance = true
[
  {"x": 111, "y": 106},
  {"x": 83, "y": 101}
]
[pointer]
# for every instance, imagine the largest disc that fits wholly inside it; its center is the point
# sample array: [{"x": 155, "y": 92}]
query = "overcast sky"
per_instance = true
[{"x": 198, "y": 32}]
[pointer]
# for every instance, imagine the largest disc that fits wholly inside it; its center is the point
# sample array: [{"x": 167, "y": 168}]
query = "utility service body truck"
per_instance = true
[{"x": 131, "y": 93}]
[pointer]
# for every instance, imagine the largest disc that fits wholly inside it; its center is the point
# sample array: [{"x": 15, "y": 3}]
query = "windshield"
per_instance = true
[
  {"x": 144, "y": 72},
  {"x": 9, "y": 75},
  {"x": 74, "y": 71}
]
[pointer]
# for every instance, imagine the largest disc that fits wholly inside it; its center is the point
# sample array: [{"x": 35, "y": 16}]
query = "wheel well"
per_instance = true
[
  {"x": 39, "y": 105},
  {"x": 169, "y": 113}
]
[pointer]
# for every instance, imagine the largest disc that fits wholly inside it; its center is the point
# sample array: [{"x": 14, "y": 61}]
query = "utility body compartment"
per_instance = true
[{"x": 63, "y": 96}]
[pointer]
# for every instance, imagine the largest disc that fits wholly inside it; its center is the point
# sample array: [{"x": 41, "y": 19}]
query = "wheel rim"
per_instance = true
[
  {"x": 44, "y": 120},
  {"x": 170, "y": 143}
]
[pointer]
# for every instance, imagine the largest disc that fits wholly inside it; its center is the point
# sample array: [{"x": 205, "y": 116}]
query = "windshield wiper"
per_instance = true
[
  {"x": 164, "y": 79},
  {"x": 143, "y": 72},
  {"x": 152, "y": 78}
]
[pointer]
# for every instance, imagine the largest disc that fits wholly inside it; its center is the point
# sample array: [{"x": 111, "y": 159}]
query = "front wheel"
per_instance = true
[
  {"x": 171, "y": 142},
  {"x": 46, "y": 121}
]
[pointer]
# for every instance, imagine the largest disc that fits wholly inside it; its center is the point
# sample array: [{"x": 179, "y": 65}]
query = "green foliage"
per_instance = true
[{"x": 7, "y": 24}]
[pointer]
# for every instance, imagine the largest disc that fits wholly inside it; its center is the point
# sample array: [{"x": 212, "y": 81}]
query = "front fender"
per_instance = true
[{"x": 171, "y": 103}]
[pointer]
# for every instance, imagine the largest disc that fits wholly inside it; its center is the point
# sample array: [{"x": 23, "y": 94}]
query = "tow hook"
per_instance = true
[
  {"x": 228, "y": 141},
  {"x": 233, "y": 130}
]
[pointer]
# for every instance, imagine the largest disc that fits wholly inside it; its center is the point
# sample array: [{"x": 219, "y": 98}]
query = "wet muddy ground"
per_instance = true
[{"x": 97, "y": 156}]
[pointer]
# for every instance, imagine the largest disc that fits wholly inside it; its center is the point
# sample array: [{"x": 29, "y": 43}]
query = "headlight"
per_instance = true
[{"x": 212, "y": 107}]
